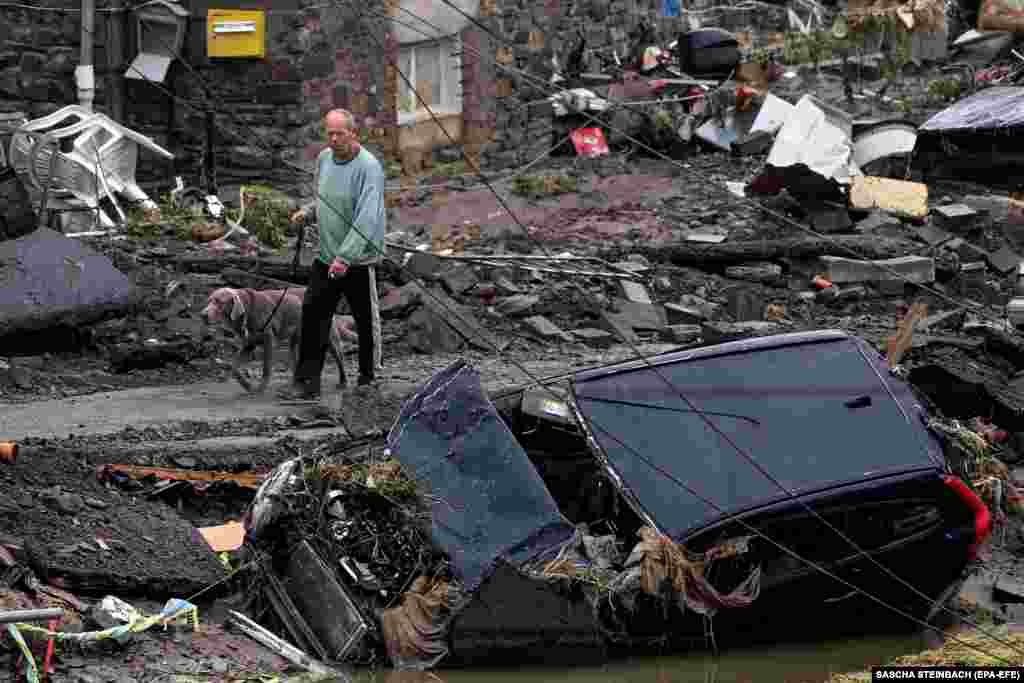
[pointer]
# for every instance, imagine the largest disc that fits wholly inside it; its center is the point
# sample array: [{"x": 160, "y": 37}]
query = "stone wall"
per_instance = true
[{"x": 267, "y": 112}]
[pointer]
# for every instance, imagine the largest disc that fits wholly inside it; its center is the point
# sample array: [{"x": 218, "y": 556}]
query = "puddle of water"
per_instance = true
[{"x": 786, "y": 663}]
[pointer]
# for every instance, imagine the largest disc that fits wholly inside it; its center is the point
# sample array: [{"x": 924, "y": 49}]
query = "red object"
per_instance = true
[
  {"x": 589, "y": 142},
  {"x": 982, "y": 516},
  {"x": 744, "y": 98},
  {"x": 820, "y": 282},
  {"x": 766, "y": 184},
  {"x": 48, "y": 662}
]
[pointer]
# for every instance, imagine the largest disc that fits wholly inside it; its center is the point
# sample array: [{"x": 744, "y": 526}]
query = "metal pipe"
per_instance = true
[
  {"x": 15, "y": 616},
  {"x": 84, "y": 74}
]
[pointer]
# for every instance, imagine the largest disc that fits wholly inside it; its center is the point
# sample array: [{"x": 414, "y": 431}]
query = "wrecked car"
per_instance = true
[{"x": 602, "y": 510}]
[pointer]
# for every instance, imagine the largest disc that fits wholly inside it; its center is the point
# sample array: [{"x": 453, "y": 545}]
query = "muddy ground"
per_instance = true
[{"x": 95, "y": 535}]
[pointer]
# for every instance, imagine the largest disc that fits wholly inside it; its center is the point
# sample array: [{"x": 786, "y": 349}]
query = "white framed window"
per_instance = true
[{"x": 435, "y": 69}]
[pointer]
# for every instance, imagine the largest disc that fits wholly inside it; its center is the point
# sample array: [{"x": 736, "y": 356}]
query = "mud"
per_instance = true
[{"x": 56, "y": 510}]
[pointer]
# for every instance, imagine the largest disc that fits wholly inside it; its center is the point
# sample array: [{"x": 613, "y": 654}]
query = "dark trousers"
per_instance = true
[{"x": 318, "y": 306}]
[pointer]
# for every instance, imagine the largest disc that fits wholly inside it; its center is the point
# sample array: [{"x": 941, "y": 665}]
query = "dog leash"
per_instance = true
[{"x": 295, "y": 275}]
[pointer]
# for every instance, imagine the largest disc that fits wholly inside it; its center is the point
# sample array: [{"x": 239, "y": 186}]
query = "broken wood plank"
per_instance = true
[
  {"x": 276, "y": 269},
  {"x": 143, "y": 356},
  {"x": 281, "y": 647},
  {"x": 43, "y": 318},
  {"x": 864, "y": 246},
  {"x": 245, "y": 479}
]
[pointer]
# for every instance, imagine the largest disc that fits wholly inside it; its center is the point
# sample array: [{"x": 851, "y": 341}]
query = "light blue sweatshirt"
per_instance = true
[{"x": 355, "y": 189}]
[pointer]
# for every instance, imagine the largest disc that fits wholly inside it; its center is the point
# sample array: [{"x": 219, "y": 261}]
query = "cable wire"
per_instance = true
[
  {"x": 672, "y": 387},
  {"x": 636, "y": 351}
]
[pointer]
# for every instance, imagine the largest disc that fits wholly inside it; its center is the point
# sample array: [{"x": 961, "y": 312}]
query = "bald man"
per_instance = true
[{"x": 349, "y": 208}]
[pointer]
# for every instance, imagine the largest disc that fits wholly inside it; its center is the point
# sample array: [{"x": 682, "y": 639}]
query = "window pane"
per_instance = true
[
  {"x": 406, "y": 103},
  {"x": 428, "y": 74},
  {"x": 453, "y": 64}
]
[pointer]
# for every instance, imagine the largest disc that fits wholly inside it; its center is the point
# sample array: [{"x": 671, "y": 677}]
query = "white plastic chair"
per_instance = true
[{"x": 101, "y": 163}]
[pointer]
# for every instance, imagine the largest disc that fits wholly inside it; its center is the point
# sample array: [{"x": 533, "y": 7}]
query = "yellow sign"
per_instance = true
[{"x": 236, "y": 33}]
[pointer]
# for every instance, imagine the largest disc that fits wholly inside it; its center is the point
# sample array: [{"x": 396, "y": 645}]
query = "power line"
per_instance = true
[
  {"x": 636, "y": 351},
  {"x": 672, "y": 387}
]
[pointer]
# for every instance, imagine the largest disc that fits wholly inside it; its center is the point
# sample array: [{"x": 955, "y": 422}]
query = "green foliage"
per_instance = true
[
  {"x": 544, "y": 185},
  {"x": 450, "y": 170},
  {"x": 945, "y": 88},
  {"x": 267, "y": 213},
  {"x": 663, "y": 120},
  {"x": 814, "y": 47}
]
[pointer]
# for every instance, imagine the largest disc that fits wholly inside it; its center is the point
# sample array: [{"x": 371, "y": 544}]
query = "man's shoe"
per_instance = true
[
  {"x": 299, "y": 392},
  {"x": 366, "y": 381}
]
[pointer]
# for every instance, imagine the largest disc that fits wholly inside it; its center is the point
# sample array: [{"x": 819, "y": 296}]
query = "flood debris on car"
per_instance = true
[{"x": 604, "y": 511}]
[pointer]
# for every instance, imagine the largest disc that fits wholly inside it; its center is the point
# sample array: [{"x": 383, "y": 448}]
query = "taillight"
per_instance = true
[{"x": 982, "y": 517}]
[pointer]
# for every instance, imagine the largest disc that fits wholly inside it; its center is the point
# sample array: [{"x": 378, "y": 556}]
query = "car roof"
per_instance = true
[{"x": 813, "y": 409}]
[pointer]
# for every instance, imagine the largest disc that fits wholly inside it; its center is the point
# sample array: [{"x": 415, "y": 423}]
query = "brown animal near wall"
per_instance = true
[{"x": 246, "y": 313}]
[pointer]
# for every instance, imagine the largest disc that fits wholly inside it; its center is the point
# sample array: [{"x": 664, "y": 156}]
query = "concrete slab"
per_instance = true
[{"x": 916, "y": 269}]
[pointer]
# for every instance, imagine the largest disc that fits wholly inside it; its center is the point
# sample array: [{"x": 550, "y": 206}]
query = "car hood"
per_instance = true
[
  {"x": 814, "y": 410},
  {"x": 488, "y": 503}
]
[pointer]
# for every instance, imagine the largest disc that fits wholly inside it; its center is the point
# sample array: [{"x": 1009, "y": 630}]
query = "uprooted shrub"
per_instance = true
[
  {"x": 543, "y": 186},
  {"x": 265, "y": 213}
]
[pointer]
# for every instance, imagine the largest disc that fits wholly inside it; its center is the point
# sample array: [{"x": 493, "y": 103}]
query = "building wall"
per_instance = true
[{"x": 268, "y": 111}]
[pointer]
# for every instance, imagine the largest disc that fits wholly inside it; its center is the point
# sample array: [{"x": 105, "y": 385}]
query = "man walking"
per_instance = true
[{"x": 349, "y": 207}]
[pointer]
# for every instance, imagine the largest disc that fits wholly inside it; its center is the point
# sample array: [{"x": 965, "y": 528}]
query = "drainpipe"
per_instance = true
[{"x": 84, "y": 75}]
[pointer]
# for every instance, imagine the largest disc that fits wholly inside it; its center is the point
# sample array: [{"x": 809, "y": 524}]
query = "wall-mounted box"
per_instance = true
[
  {"x": 160, "y": 28},
  {"x": 236, "y": 33}
]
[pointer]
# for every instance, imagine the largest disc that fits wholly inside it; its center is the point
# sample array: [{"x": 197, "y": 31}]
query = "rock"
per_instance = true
[
  {"x": 1004, "y": 261},
  {"x": 830, "y": 219},
  {"x": 619, "y": 326},
  {"x": 520, "y": 304},
  {"x": 956, "y": 217},
  {"x": 683, "y": 334},
  {"x": 601, "y": 339},
  {"x": 450, "y": 325},
  {"x": 641, "y": 317},
  {"x": 755, "y": 272},
  {"x": 880, "y": 223},
  {"x": 429, "y": 333},
  {"x": 543, "y": 327},
  {"x": 707, "y": 308},
  {"x": 718, "y": 332},
  {"x": 459, "y": 279},
  {"x": 745, "y": 304},
  {"x": 916, "y": 269},
  {"x": 96, "y": 503},
  {"x": 185, "y": 461},
  {"x": 506, "y": 287},
  {"x": 632, "y": 266},
  {"x": 679, "y": 314},
  {"x": 663, "y": 284},
  {"x": 634, "y": 291},
  {"x": 931, "y": 234},
  {"x": 67, "y": 503},
  {"x": 425, "y": 265},
  {"x": 400, "y": 300}
]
